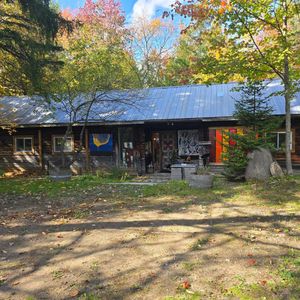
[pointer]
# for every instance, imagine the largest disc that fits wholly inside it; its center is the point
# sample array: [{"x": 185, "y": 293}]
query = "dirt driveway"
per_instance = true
[{"x": 114, "y": 242}]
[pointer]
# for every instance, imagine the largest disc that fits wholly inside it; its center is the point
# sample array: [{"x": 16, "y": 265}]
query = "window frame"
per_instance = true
[
  {"x": 23, "y": 137},
  {"x": 282, "y": 131},
  {"x": 54, "y": 150}
]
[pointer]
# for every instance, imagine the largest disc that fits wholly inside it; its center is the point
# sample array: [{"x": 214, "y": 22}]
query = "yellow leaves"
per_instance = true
[
  {"x": 218, "y": 53},
  {"x": 155, "y": 23}
]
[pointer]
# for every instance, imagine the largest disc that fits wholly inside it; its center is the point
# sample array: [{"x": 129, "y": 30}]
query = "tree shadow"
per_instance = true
[{"x": 128, "y": 231}]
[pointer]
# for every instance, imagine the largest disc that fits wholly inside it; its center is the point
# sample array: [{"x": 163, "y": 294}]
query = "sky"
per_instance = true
[{"x": 132, "y": 8}]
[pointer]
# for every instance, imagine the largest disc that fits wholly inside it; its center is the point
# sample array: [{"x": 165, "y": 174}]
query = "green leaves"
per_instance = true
[{"x": 27, "y": 47}]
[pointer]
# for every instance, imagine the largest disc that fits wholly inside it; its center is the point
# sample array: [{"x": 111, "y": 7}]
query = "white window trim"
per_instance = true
[
  {"x": 54, "y": 150},
  {"x": 23, "y": 137},
  {"x": 277, "y": 140}
]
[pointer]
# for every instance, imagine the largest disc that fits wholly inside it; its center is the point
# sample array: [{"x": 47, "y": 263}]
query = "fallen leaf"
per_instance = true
[
  {"x": 186, "y": 285},
  {"x": 74, "y": 293},
  {"x": 251, "y": 262}
]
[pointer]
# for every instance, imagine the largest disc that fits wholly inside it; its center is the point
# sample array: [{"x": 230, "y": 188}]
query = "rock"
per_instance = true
[
  {"x": 276, "y": 170},
  {"x": 259, "y": 164}
]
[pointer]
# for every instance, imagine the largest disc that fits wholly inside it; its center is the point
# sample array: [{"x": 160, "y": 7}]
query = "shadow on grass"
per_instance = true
[{"x": 120, "y": 199}]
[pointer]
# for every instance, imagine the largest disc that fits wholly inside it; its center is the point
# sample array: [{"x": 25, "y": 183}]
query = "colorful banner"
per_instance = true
[
  {"x": 101, "y": 142},
  {"x": 220, "y": 140}
]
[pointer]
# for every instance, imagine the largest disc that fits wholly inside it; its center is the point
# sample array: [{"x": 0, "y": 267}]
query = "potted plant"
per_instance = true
[{"x": 202, "y": 179}]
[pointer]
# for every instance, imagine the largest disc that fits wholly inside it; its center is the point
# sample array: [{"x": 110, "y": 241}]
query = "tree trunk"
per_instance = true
[
  {"x": 287, "y": 94},
  {"x": 287, "y": 98}
]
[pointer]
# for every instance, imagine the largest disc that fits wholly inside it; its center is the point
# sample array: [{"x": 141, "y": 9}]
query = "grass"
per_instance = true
[
  {"x": 186, "y": 296},
  {"x": 47, "y": 187},
  {"x": 80, "y": 214},
  {"x": 57, "y": 274},
  {"x": 263, "y": 193},
  {"x": 288, "y": 272},
  {"x": 190, "y": 266},
  {"x": 200, "y": 243},
  {"x": 88, "y": 296}
]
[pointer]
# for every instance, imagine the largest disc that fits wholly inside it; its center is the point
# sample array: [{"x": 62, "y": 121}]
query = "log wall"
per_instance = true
[{"x": 42, "y": 155}]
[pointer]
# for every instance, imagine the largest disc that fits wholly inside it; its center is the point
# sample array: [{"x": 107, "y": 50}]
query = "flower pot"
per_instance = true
[{"x": 200, "y": 181}]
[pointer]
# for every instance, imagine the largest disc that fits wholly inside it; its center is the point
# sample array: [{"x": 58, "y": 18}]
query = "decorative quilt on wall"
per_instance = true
[
  {"x": 101, "y": 142},
  {"x": 189, "y": 142}
]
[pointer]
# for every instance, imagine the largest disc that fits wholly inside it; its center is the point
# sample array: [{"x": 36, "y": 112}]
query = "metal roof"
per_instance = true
[{"x": 153, "y": 104}]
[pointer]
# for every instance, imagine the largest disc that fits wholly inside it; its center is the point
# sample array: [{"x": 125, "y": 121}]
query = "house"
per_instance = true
[{"x": 184, "y": 120}]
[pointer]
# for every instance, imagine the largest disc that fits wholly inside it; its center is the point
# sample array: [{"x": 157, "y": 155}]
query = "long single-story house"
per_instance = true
[{"x": 164, "y": 122}]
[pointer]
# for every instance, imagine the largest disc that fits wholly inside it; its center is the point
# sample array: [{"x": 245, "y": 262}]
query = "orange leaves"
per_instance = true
[
  {"x": 186, "y": 285},
  {"x": 224, "y": 6},
  {"x": 199, "y": 10},
  {"x": 251, "y": 262}
]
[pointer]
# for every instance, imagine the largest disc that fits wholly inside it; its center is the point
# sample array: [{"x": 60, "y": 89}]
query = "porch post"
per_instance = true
[
  {"x": 40, "y": 140},
  {"x": 142, "y": 149},
  {"x": 87, "y": 150},
  {"x": 117, "y": 148}
]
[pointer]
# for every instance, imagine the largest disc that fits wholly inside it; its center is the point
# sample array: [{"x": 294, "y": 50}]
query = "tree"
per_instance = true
[
  {"x": 198, "y": 51},
  {"x": 254, "y": 113},
  {"x": 256, "y": 53},
  {"x": 253, "y": 108},
  {"x": 151, "y": 42},
  {"x": 27, "y": 43},
  {"x": 96, "y": 64}
]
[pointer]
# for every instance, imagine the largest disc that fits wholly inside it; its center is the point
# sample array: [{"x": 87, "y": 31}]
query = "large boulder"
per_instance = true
[{"x": 259, "y": 164}]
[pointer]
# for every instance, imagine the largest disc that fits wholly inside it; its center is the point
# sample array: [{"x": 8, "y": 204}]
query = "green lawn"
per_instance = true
[{"x": 278, "y": 192}]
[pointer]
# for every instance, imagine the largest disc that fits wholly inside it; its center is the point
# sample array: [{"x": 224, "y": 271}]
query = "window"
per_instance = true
[
  {"x": 58, "y": 142},
  {"x": 278, "y": 140},
  {"x": 23, "y": 144}
]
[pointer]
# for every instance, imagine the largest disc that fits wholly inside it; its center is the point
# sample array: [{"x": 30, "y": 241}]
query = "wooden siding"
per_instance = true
[
  {"x": 10, "y": 161},
  {"x": 18, "y": 162}
]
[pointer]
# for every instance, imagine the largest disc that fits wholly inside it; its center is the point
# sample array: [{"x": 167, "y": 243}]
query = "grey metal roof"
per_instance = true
[{"x": 153, "y": 104}]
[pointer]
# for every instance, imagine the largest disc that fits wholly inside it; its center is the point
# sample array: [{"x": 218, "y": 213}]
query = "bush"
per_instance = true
[{"x": 235, "y": 163}]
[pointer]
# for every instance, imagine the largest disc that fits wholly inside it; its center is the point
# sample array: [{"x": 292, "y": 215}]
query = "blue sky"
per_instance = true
[
  {"x": 126, "y": 4},
  {"x": 132, "y": 8}
]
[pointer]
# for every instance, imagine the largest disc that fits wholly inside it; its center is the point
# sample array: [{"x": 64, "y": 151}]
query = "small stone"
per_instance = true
[{"x": 276, "y": 170}]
